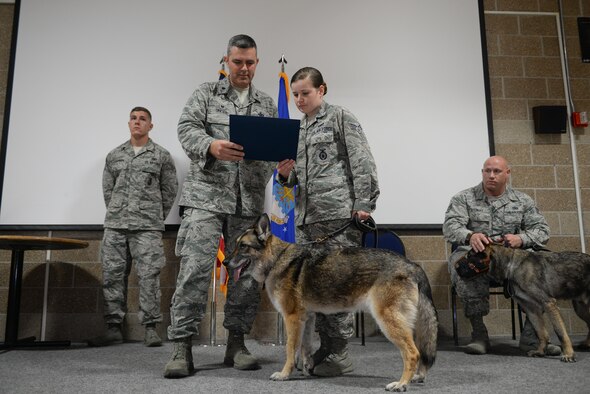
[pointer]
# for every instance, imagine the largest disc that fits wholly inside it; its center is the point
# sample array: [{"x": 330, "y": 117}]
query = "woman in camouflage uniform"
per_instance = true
[{"x": 336, "y": 179}]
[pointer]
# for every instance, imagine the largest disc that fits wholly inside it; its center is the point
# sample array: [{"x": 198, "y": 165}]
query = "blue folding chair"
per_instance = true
[{"x": 386, "y": 239}]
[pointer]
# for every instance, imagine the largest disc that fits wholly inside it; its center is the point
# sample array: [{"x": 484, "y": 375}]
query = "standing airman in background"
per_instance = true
[{"x": 139, "y": 185}]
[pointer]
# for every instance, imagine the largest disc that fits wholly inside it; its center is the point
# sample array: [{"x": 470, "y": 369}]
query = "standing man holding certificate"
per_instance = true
[{"x": 222, "y": 194}]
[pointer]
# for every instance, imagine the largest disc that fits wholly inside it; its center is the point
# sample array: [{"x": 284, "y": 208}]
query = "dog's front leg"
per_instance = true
[
  {"x": 567, "y": 350},
  {"x": 294, "y": 328},
  {"x": 543, "y": 336},
  {"x": 306, "y": 345}
]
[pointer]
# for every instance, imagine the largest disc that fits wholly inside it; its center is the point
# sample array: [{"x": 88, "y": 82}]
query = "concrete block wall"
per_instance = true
[{"x": 525, "y": 71}]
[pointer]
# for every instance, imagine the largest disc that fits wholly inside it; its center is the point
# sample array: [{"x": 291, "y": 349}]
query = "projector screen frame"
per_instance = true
[{"x": 173, "y": 227}]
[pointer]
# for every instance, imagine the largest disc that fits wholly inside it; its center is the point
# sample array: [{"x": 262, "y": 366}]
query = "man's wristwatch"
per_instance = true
[{"x": 468, "y": 238}]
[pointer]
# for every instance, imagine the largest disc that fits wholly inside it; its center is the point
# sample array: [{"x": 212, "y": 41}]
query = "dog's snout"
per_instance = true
[{"x": 237, "y": 262}]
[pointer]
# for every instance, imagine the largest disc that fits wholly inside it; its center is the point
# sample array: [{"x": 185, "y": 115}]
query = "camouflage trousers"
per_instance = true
[
  {"x": 119, "y": 249},
  {"x": 196, "y": 244},
  {"x": 474, "y": 293},
  {"x": 337, "y": 325}
]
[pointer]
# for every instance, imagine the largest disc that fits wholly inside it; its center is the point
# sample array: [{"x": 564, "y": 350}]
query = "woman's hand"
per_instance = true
[
  {"x": 285, "y": 167},
  {"x": 362, "y": 215}
]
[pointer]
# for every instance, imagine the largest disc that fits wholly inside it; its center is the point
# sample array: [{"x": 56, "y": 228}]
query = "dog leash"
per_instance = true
[{"x": 364, "y": 226}]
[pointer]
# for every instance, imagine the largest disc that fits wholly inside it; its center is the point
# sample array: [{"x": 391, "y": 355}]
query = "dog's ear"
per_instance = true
[{"x": 263, "y": 227}]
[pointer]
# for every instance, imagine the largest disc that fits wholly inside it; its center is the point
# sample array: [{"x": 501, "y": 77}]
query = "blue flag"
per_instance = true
[
  {"x": 282, "y": 210},
  {"x": 283, "y": 96}
]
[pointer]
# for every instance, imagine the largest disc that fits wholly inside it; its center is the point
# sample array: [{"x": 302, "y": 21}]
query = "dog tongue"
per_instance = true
[{"x": 237, "y": 273}]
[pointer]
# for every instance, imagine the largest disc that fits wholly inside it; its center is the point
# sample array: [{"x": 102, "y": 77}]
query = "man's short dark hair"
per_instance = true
[
  {"x": 141, "y": 109},
  {"x": 241, "y": 41}
]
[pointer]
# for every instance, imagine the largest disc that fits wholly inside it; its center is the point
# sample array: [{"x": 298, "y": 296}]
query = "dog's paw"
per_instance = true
[
  {"x": 279, "y": 377},
  {"x": 568, "y": 359},
  {"x": 535, "y": 353},
  {"x": 307, "y": 366},
  {"x": 396, "y": 386},
  {"x": 298, "y": 363}
]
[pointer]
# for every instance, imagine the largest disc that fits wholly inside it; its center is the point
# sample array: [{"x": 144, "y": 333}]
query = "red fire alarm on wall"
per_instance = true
[{"x": 580, "y": 119}]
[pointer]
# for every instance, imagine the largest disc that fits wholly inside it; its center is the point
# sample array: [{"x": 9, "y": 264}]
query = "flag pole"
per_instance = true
[
  {"x": 213, "y": 324},
  {"x": 280, "y": 323},
  {"x": 283, "y": 61}
]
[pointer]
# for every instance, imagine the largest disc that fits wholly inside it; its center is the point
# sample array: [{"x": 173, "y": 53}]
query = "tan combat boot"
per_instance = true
[
  {"x": 151, "y": 338},
  {"x": 180, "y": 364},
  {"x": 113, "y": 336},
  {"x": 480, "y": 341},
  {"x": 336, "y": 362},
  {"x": 236, "y": 353}
]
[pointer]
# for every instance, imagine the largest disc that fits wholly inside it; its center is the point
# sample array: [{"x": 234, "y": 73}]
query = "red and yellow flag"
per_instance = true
[{"x": 220, "y": 270}]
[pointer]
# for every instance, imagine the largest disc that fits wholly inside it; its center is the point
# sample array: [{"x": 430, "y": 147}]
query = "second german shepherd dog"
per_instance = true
[
  {"x": 304, "y": 279},
  {"x": 537, "y": 280}
]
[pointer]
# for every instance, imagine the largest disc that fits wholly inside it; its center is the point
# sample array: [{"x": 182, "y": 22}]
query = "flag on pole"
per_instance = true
[
  {"x": 283, "y": 96},
  {"x": 220, "y": 270},
  {"x": 222, "y": 73},
  {"x": 280, "y": 202}
]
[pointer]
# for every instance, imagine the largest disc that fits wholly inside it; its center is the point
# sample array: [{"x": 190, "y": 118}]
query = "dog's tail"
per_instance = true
[{"x": 426, "y": 331}]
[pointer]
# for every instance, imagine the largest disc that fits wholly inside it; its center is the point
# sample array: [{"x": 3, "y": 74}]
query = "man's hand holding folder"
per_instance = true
[{"x": 226, "y": 150}]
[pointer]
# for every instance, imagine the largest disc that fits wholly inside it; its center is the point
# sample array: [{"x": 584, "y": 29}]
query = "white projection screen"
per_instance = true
[{"x": 412, "y": 71}]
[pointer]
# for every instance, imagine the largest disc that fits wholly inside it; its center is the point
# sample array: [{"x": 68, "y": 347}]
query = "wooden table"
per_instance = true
[{"x": 18, "y": 244}]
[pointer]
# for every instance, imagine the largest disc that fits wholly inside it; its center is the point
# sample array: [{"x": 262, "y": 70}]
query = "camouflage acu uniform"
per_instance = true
[
  {"x": 139, "y": 191},
  {"x": 471, "y": 211},
  {"x": 219, "y": 197},
  {"x": 335, "y": 171},
  {"x": 335, "y": 174}
]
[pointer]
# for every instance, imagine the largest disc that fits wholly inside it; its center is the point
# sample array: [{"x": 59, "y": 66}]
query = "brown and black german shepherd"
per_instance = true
[
  {"x": 304, "y": 279},
  {"x": 537, "y": 280}
]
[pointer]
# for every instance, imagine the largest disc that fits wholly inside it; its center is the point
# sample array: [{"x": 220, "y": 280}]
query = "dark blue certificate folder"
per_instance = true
[{"x": 266, "y": 139}]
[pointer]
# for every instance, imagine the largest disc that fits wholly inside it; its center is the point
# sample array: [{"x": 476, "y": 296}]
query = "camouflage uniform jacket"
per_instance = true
[
  {"x": 335, "y": 172},
  {"x": 513, "y": 213},
  {"x": 217, "y": 185},
  {"x": 139, "y": 190}
]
